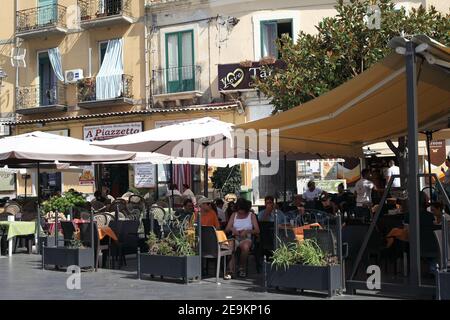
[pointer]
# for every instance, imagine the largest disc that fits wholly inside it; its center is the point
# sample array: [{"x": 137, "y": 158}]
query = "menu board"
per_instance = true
[{"x": 144, "y": 175}]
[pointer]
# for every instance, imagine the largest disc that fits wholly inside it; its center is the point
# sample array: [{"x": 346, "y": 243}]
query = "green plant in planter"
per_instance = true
[
  {"x": 172, "y": 245},
  {"x": 284, "y": 256},
  {"x": 306, "y": 252},
  {"x": 76, "y": 243}
]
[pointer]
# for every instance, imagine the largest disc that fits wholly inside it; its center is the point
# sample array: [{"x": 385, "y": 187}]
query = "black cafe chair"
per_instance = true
[{"x": 213, "y": 249}]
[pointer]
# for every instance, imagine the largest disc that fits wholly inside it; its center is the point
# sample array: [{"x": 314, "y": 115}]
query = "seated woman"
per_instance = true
[
  {"x": 208, "y": 214},
  {"x": 242, "y": 224}
]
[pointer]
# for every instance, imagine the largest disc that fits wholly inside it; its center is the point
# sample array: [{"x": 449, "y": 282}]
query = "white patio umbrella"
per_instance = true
[
  {"x": 195, "y": 136},
  {"x": 38, "y": 147},
  {"x": 45, "y": 147}
]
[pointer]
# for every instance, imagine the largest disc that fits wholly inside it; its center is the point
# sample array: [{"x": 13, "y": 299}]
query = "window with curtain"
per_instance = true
[
  {"x": 180, "y": 61},
  {"x": 108, "y": 83},
  {"x": 102, "y": 50},
  {"x": 270, "y": 32}
]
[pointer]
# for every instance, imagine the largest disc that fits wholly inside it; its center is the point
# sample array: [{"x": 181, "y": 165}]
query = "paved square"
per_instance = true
[{"x": 22, "y": 277}]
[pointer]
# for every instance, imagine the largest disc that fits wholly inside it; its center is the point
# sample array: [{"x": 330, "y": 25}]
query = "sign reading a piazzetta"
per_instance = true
[
  {"x": 109, "y": 131},
  {"x": 239, "y": 77}
]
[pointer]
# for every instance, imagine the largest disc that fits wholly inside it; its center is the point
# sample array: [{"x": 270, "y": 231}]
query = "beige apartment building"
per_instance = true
[{"x": 83, "y": 68}]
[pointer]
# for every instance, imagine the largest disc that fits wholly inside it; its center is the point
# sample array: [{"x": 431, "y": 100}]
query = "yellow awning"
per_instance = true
[{"x": 368, "y": 108}]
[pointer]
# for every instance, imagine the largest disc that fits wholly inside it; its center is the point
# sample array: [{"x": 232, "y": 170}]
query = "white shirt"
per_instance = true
[
  {"x": 189, "y": 194},
  {"x": 311, "y": 195},
  {"x": 394, "y": 170},
  {"x": 176, "y": 192},
  {"x": 363, "y": 190}
]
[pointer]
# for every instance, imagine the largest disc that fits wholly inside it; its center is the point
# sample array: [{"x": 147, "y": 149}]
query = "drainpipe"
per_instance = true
[
  {"x": 147, "y": 45},
  {"x": 16, "y": 44}
]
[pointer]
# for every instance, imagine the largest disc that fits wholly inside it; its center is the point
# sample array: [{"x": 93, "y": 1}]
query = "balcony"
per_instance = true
[
  {"x": 41, "y": 21},
  {"x": 178, "y": 84},
  {"x": 104, "y": 13},
  {"x": 87, "y": 98},
  {"x": 34, "y": 99}
]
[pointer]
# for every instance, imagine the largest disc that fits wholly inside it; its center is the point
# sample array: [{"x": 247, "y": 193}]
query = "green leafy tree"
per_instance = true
[
  {"x": 228, "y": 179},
  {"x": 343, "y": 47},
  {"x": 63, "y": 203}
]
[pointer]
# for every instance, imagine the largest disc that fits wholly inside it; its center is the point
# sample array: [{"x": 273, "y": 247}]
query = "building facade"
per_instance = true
[{"x": 85, "y": 68}]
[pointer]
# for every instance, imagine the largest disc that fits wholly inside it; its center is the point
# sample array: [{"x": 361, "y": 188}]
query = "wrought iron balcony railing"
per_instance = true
[
  {"x": 86, "y": 89},
  {"x": 176, "y": 80},
  {"x": 41, "y": 17},
  {"x": 93, "y": 9},
  {"x": 37, "y": 96}
]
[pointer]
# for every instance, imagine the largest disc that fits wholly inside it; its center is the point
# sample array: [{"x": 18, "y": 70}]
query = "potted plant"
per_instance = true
[
  {"x": 173, "y": 256},
  {"x": 73, "y": 254},
  {"x": 304, "y": 266}
]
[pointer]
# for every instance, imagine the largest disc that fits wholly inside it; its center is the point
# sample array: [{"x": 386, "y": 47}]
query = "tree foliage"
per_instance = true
[
  {"x": 228, "y": 179},
  {"x": 344, "y": 47}
]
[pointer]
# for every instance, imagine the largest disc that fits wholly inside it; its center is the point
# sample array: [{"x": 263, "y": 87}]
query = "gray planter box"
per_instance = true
[
  {"x": 327, "y": 278},
  {"x": 443, "y": 285},
  {"x": 64, "y": 257},
  {"x": 185, "y": 268}
]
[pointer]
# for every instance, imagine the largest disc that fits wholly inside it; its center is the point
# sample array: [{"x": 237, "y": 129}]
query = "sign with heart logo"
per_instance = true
[
  {"x": 240, "y": 77},
  {"x": 234, "y": 78}
]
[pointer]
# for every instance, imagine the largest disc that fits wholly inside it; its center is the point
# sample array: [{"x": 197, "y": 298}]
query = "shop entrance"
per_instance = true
[
  {"x": 50, "y": 184},
  {"x": 115, "y": 178}
]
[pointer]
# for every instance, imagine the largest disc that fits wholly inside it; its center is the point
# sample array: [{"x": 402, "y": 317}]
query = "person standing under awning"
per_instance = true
[
  {"x": 363, "y": 195},
  {"x": 393, "y": 170}
]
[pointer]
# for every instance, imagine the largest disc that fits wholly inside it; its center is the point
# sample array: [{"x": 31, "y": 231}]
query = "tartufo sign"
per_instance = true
[{"x": 239, "y": 77}]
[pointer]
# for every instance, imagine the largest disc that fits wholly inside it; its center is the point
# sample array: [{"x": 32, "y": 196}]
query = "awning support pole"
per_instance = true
[
  {"x": 285, "y": 184},
  {"x": 429, "y": 135},
  {"x": 205, "y": 182},
  {"x": 413, "y": 166},
  {"x": 171, "y": 204}
]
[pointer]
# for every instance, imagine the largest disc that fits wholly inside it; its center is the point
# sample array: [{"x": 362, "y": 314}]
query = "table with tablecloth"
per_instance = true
[
  {"x": 103, "y": 231},
  {"x": 396, "y": 233},
  {"x": 17, "y": 228},
  {"x": 299, "y": 230}
]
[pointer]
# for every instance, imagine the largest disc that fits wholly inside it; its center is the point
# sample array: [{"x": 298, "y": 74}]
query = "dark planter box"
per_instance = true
[
  {"x": 443, "y": 285},
  {"x": 328, "y": 278},
  {"x": 64, "y": 257},
  {"x": 167, "y": 266}
]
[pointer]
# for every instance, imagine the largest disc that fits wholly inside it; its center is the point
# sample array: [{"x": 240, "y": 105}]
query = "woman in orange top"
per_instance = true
[{"x": 208, "y": 215}]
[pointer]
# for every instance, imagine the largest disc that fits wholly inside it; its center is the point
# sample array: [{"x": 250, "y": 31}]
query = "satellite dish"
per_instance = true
[{"x": 18, "y": 57}]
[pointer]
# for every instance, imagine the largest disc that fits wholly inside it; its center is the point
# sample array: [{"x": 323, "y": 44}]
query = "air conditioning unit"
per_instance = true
[{"x": 72, "y": 76}]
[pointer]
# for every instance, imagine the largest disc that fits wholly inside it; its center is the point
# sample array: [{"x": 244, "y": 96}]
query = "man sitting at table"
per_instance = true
[
  {"x": 297, "y": 213},
  {"x": 312, "y": 194},
  {"x": 269, "y": 212},
  {"x": 186, "y": 211}
]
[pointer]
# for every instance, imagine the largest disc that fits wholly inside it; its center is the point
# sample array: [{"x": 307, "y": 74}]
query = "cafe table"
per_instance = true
[
  {"x": 299, "y": 231},
  {"x": 17, "y": 228}
]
